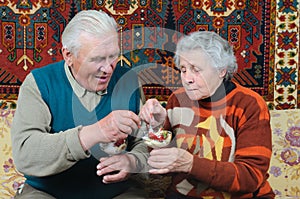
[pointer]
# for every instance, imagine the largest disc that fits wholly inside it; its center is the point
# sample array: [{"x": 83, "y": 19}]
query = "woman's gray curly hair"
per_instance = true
[{"x": 217, "y": 48}]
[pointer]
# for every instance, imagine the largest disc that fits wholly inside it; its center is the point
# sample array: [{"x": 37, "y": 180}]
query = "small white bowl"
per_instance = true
[{"x": 112, "y": 149}]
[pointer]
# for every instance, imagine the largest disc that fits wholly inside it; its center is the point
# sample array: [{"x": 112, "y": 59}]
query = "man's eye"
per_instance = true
[
  {"x": 97, "y": 59},
  {"x": 113, "y": 56}
]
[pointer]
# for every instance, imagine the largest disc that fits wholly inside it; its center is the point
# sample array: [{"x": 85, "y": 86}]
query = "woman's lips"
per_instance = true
[{"x": 190, "y": 89}]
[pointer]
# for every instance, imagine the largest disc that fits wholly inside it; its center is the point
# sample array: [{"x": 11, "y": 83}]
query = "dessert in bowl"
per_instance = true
[
  {"x": 158, "y": 139},
  {"x": 113, "y": 148}
]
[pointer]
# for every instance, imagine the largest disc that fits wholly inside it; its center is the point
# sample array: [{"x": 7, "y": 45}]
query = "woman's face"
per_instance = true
[
  {"x": 199, "y": 77},
  {"x": 95, "y": 62}
]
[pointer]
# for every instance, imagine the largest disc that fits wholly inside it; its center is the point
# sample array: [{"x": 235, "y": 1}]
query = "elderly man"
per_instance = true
[{"x": 67, "y": 108}]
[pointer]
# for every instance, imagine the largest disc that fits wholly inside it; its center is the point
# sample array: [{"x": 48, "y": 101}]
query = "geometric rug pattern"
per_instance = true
[{"x": 264, "y": 34}]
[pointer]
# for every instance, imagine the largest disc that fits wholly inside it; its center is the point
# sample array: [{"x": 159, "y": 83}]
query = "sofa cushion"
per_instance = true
[{"x": 284, "y": 169}]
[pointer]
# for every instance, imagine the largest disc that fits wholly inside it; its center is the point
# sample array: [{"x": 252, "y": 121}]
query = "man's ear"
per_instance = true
[
  {"x": 67, "y": 55},
  {"x": 222, "y": 73}
]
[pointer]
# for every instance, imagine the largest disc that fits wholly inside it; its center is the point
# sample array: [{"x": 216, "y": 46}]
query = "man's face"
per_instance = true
[
  {"x": 199, "y": 77},
  {"x": 95, "y": 62}
]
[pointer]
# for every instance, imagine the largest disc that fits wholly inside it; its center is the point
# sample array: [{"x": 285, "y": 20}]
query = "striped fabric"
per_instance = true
[{"x": 229, "y": 135}]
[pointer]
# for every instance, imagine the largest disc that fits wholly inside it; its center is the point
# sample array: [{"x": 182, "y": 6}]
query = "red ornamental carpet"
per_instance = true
[
  {"x": 264, "y": 33},
  {"x": 265, "y": 36}
]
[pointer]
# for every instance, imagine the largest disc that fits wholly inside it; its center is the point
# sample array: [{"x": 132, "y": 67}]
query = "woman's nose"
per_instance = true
[{"x": 189, "y": 77}]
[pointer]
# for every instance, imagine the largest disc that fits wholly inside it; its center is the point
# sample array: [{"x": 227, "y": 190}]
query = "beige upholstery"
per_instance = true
[{"x": 284, "y": 170}]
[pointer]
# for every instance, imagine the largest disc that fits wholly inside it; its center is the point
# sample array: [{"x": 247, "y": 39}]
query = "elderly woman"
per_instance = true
[{"x": 222, "y": 135}]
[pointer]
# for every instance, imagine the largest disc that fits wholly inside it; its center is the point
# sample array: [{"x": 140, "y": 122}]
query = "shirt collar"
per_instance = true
[{"x": 78, "y": 89}]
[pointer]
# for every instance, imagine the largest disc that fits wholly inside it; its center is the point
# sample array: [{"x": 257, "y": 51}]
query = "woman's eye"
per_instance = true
[
  {"x": 182, "y": 69},
  {"x": 195, "y": 69}
]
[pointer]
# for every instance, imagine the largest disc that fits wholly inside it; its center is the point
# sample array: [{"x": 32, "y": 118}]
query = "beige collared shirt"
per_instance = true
[{"x": 89, "y": 99}]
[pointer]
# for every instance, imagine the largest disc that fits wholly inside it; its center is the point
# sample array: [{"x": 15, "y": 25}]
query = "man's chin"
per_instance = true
[{"x": 100, "y": 87}]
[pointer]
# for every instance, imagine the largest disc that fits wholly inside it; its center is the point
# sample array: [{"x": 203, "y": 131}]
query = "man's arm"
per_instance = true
[{"x": 36, "y": 151}]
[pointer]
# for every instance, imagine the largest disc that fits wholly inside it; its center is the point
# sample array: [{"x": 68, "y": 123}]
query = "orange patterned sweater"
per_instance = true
[{"x": 229, "y": 135}]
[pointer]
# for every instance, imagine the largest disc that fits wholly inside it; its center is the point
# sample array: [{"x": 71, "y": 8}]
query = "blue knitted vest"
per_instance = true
[{"x": 81, "y": 181}]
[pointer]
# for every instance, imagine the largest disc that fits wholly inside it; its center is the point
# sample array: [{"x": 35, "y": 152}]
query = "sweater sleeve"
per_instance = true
[
  {"x": 138, "y": 148},
  {"x": 36, "y": 152}
]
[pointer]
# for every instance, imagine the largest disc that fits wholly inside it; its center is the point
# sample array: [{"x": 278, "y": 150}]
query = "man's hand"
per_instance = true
[
  {"x": 115, "y": 126},
  {"x": 116, "y": 168},
  {"x": 166, "y": 160}
]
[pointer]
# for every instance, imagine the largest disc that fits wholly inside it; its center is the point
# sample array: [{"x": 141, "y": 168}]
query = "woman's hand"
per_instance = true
[
  {"x": 166, "y": 160},
  {"x": 153, "y": 113}
]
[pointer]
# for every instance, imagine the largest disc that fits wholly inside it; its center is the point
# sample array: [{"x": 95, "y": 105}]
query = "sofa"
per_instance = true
[{"x": 284, "y": 170}]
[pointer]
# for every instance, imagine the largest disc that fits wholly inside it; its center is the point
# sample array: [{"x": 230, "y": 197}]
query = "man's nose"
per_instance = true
[{"x": 107, "y": 66}]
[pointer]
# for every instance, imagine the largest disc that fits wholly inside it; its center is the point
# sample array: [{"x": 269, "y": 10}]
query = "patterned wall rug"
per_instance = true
[{"x": 265, "y": 36}]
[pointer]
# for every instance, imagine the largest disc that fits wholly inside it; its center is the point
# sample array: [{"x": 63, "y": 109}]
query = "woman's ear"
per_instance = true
[
  {"x": 222, "y": 73},
  {"x": 67, "y": 55}
]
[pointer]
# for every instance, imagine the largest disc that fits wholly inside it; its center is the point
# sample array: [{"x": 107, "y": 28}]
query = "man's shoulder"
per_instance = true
[
  {"x": 121, "y": 70},
  {"x": 124, "y": 75},
  {"x": 51, "y": 66},
  {"x": 50, "y": 73}
]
